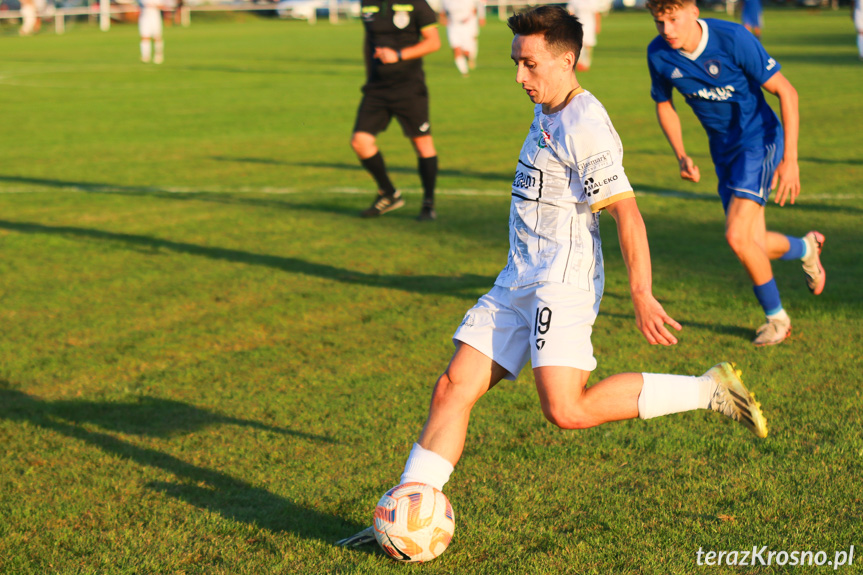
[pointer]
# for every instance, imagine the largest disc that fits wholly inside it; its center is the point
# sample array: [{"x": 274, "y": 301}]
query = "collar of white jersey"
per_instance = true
[{"x": 701, "y": 45}]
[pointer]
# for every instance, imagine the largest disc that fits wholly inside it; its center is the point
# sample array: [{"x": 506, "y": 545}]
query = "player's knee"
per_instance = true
[
  {"x": 362, "y": 144},
  {"x": 567, "y": 416},
  {"x": 450, "y": 394},
  {"x": 737, "y": 240}
]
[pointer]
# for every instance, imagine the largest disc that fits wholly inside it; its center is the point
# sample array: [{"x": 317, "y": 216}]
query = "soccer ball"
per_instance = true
[{"x": 414, "y": 522}]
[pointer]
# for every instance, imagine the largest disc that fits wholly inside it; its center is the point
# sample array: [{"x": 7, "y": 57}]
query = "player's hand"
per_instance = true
[
  {"x": 688, "y": 169},
  {"x": 386, "y": 55},
  {"x": 651, "y": 319},
  {"x": 788, "y": 177}
]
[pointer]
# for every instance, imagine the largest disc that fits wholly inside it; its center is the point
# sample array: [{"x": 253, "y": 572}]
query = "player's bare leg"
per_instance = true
[
  {"x": 468, "y": 377},
  {"x": 364, "y": 145},
  {"x": 746, "y": 233},
  {"x": 146, "y": 50},
  {"x": 569, "y": 404},
  {"x": 158, "y": 50},
  {"x": 460, "y": 59}
]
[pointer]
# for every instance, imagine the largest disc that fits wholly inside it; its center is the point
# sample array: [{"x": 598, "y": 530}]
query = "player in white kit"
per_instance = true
[
  {"x": 463, "y": 19},
  {"x": 857, "y": 14},
  {"x": 544, "y": 302},
  {"x": 589, "y": 14},
  {"x": 150, "y": 29}
]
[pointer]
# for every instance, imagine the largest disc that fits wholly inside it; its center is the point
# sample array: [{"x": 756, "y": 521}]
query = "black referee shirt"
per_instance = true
[{"x": 394, "y": 24}]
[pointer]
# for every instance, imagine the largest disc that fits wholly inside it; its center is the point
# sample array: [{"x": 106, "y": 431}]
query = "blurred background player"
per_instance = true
[
  {"x": 397, "y": 36},
  {"x": 752, "y": 17},
  {"x": 545, "y": 301},
  {"x": 150, "y": 29},
  {"x": 721, "y": 69},
  {"x": 30, "y": 21},
  {"x": 463, "y": 19},
  {"x": 589, "y": 14},
  {"x": 857, "y": 14}
]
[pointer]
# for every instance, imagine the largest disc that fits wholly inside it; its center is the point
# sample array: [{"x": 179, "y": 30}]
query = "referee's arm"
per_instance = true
[{"x": 430, "y": 43}]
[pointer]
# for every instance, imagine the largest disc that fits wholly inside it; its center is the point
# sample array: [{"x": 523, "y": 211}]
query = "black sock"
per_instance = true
[
  {"x": 376, "y": 167},
  {"x": 428, "y": 175}
]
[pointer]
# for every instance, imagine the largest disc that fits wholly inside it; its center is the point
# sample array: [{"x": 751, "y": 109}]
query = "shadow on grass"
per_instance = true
[
  {"x": 501, "y": 176},
  {"x": 743, "y": 333},
  {"x": 463, "y": 286},
  {"x": 204, "y": 488}
]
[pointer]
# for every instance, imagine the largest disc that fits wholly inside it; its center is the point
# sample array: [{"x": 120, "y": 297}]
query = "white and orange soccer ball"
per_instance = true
[{"x": 414, "y": 522}]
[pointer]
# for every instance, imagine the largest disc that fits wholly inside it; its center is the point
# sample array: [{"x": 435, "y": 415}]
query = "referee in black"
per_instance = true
[{"x": 398, "y": 34}]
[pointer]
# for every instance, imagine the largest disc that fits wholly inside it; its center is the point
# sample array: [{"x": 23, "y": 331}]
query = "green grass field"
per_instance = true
[{"x": 210, "y": 364}]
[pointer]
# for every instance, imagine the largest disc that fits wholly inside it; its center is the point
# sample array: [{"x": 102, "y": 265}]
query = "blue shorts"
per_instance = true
[
  {"x": 749, "y": 173},
  {"x": 751, "y": 15}
]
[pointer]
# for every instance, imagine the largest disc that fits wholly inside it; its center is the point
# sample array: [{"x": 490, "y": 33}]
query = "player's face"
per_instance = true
[
  {"x": 546, "y": 78},
  {"x": 679, "y": 27}
]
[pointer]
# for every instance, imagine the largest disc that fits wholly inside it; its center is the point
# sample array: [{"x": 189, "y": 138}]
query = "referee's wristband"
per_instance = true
[{"x": 399, "y": 55}]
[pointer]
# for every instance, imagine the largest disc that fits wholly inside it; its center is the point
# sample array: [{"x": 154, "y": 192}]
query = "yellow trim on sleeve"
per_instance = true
[
  {"x": 429, "y": 26},
  {"x": 613, "y": 199}
]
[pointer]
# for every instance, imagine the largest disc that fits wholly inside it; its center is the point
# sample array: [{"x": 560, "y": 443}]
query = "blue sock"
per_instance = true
[
  {"x": 796, "y": 251},
  {"x": 768, "y": 296}
]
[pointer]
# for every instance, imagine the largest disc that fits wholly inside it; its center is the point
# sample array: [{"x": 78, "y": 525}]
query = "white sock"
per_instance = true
[
  {"x": 145, "y": 50},
  {"x": 662, "y": 394},
  {"x": 780, "y": 315},
  {"x": 461, "y": 64},
  {"x": 427, "y": 467},
  {"x": 159, "y": 49}
]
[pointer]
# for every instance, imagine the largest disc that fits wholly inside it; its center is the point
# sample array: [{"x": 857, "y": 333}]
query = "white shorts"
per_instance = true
[
  {"x": 588, "y": 26},
  {"x": 150, "y": 22},
  {"x": 548, "y": 324},
  {"x": 463, "y": 34}
]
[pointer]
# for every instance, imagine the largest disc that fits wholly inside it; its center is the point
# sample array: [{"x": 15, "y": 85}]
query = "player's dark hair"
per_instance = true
[
  {"x": 657, "y": 7},
  {"x": 562, "y": 31}
]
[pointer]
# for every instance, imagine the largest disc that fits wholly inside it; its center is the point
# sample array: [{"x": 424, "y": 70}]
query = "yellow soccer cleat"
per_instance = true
[{"x": 731, "y": 398}]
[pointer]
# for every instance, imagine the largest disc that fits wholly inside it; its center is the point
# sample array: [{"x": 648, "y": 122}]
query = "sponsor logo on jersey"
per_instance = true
[
  {"x": 543, "y": 141},
  {"x": 595, "y": 162},
  {"x": 717, "y": 94},
  {"x": 771, "y": 63},
  {"x": 369, "y": 13},
  {"x": 676, "y": 74},
  {"x": 713, "y": 67},
  {"x": 592, "y": 187},
  {"x": 523, "y": 180},
  {"x": 401, "y": 19}
]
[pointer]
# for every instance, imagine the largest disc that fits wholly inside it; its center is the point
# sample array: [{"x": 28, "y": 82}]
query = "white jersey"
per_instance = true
[
  {"x": 570, "y": 168},
  {"x": 585, "y": 11},
  {"x": 461, "y": 11}
]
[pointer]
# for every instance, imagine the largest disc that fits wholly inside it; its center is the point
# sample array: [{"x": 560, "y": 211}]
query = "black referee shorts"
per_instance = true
[{"x": 408, "y": 103}]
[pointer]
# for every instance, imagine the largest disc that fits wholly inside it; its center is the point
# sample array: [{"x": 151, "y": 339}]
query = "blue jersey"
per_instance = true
[{"x": 721, "y": 82}]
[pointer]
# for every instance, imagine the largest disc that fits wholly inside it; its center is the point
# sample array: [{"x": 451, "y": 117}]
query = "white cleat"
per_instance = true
[
  {"x": 731, "y": 398},
  {"x": 773, "y": 332},
  {"x": 816, "y": 277},
  {"x": 364, "y": 537}
]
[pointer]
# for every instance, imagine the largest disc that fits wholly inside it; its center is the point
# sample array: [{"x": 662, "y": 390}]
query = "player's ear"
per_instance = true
[{"x": 568, "y": 60}]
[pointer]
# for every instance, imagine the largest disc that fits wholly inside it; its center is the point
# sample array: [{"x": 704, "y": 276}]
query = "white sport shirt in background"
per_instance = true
[{"x": 570, "y": 168}]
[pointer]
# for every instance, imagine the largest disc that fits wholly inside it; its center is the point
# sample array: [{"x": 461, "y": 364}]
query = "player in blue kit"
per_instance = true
[
  {"x": 752, "y": 17},
  {"x": 720, "y": 69}
]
